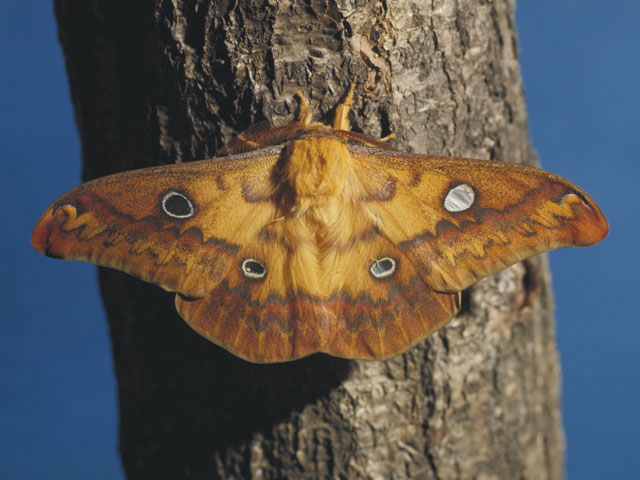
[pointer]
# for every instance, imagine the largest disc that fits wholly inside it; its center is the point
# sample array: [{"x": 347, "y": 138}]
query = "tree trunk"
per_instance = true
[{"x": 171, "y": 81}]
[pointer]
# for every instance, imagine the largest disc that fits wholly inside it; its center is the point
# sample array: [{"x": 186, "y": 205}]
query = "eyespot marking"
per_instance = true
[
  {"x": 383, "y": 268},
  {"x": 177, "y": 205},
  {"x": 459, "y": 198},
  {"x": 253, "y": 269}
]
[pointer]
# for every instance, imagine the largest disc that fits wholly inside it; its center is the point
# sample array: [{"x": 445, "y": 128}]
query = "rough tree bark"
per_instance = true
[{"x": 171, "y": 81}]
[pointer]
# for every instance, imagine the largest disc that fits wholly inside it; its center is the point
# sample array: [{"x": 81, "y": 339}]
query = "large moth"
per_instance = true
[{"x": 313, "y": 238}]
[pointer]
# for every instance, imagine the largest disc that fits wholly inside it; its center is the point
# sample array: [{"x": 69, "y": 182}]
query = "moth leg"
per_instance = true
[
  {"x": 304, "y": 115},
  {"x": 341, "y": 121},
  {"x": 247, "y": 141}
]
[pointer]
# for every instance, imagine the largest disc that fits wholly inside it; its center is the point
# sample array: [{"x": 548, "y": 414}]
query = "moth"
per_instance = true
[{"x": 313, "y": 238}]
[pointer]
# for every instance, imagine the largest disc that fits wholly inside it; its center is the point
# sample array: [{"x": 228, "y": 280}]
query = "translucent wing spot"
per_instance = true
[
  {"x": 459, "y": 198},
  {"x": 253, "y": 269},
  {"x": 383, "y": 268},
  {"x": 177, "y": 205}
]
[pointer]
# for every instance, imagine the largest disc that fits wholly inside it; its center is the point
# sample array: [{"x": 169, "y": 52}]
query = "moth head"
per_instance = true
[{"x": 177, "y": 205}]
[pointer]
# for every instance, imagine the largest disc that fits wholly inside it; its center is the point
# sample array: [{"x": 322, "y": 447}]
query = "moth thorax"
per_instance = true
[{"x": 317, "y": 166}]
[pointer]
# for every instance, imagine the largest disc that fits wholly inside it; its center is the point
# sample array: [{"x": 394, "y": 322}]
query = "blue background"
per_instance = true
[{"x": 58, "y": 412}]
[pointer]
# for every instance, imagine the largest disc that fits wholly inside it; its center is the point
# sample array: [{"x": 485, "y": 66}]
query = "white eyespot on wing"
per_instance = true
[
  {"x": 383, "y": 268},
  {"x": 177, "y": 205},
  {"x": 459, "y": 198},
  {"x": 253, "y": 269}
]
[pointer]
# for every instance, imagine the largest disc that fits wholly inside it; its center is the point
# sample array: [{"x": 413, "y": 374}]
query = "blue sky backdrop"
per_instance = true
[{"x": 580, "y": 63}]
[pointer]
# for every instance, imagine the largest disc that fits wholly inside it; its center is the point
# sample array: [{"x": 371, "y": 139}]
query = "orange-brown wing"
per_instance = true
[
  {"x": 380, "y": 306},
  {"x": 281, "y": 310},
  {"x": 459, "y": 220},
  {"x": 177, "y": 226},
  {"x": 269, "y": 307}
]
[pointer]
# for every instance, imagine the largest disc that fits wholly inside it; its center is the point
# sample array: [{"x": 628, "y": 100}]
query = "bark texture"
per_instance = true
[{"x": 171, "y": 81}]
